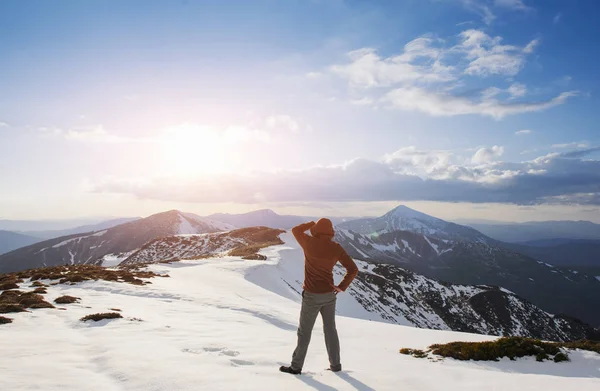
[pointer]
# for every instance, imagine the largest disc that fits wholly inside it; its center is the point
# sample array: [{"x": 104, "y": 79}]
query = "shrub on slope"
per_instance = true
[
  {"x": 100, "y": 316},
  {"x": 511, "y": 347},
  {"x": 66, "y": 299}
]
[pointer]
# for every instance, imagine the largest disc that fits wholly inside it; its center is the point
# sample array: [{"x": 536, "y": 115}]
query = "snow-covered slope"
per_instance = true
[
  {"x": 91, "y": 247},
  {"x": 227, "y": 324}
]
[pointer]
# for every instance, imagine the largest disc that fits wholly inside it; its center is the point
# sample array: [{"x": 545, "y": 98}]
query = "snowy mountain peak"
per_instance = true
[
  {"x": 405, "y": 212},
  {"x": 403, "y": 218}
]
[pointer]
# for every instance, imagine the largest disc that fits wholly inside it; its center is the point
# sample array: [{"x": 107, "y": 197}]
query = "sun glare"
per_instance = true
[{"x": 191, "y": 149}]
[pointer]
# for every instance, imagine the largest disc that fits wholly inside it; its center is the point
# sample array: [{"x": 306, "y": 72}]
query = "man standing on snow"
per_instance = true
[{"x": 321, "y": 254}]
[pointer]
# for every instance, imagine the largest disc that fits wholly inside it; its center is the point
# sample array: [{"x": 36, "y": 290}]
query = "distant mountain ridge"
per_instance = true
[
  {"x": 91, "y": 246},
  {"x": 462, "y": 255},
  {"x": 268, "y": 218},
  {"x": 539, "y": 230},
  {"x": 10, "y": 241},
  {"x": 263, "y": 217},
  {"x": 50, "y": 234}
]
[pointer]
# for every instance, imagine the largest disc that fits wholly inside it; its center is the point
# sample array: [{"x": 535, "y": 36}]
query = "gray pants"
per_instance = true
[{"x": 312, "y": 304}]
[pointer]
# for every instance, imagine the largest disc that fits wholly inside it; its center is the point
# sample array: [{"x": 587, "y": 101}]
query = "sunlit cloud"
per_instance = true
[
  {"x": 408, "y": 174},
  {"x": 445, "y": 104},
  {"x": 282, "y": 122},
  {"x": 487, "y": 155}
]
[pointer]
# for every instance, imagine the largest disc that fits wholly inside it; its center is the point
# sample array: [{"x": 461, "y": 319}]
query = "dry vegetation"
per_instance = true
[
  {"x": 511, "y": 347},
  {"x": 104, "y": 315},
  {"x": 66, "y": 299},
  {"x": 4, "y": 320},
  {"x": 17, "y": 301},
  {"x": 13, "y": 300},
  {"x": 75, "y": 273}
]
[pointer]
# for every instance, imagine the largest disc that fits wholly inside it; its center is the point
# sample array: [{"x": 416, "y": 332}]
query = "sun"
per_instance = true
[{"x": 192, "y": 150}]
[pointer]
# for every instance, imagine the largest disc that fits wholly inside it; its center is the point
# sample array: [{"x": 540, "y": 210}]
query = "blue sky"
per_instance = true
[{"x": 460, "y": 108}]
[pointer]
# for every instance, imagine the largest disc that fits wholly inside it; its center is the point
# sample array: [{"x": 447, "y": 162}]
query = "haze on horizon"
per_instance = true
[{"x": 462, "y": 109}]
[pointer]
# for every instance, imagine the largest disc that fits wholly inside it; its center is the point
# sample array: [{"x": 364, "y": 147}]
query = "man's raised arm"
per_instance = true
[{"x": 299, "y": 232}]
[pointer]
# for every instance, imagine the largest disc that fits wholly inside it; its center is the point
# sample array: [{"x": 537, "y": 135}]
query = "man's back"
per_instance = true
[{"x": 321, "y": 254}]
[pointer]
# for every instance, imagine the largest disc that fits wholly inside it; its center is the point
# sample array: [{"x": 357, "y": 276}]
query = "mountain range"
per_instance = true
[
  {"x": 403, "y": 238},
  {"x": 12, "y": 240},
  {"x": 89, "y": 247},
  {"x": 463, "y": 255}
]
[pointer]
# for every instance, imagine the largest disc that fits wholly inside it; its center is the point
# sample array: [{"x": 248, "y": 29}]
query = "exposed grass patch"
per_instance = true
[
  {"x": 115, "y": 309},
  {"x": 10, "y": 296},
  {"x": 414, "y": 352},
  {"x": 66, "y": 299},
  {"x": 74, "y": 274},
  {"x": 511, "y": 347},
  {"x": 100, "y": 316},
  {"x": 11, "y": 308},
  {"x": 33, "y": 300},
  {"x": 4, "y": 320},
  {"x": 17, "y": 301},
  {"x": 38, "y": 284},
  {"x": 40, "y": 290},
  {"x": 8, "y": 285}
]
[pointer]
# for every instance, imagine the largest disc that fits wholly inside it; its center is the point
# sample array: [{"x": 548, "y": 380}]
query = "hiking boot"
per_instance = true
[
  {"x": 335, "y": 369},
  {"x": 290, "y": 370}
]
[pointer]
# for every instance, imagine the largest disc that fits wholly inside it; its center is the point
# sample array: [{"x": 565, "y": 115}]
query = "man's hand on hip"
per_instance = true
[{"x": 336, "y": 290}]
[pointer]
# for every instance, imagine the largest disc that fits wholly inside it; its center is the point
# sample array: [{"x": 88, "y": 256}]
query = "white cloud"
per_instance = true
[
  {"x": 420, "y": 77},
  {"x": 523, "y": 132},
  {"x": 488, "y": 56},
  {"x": 480, "y": 8},
  {"x": 486, "y": 8},
  {"x": 282, "y": 122},
  {"x": 531, "y": 46},
  {"x": 444, "y": 104},
  {"x": 571, "y": 145},
  {"x": 3, "y": 124},
  {"x": 366, "y": 101},
  {"x": 557, "y": 18},
  {"x": 517, "y": 5},
  {"x": 517, "y": 90},
  {"x": 411, "y": 160},
  {"x": 93, "y": 134},
  {"x": 487, "y": 155},
  {"x": 367, "y": 69}
]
